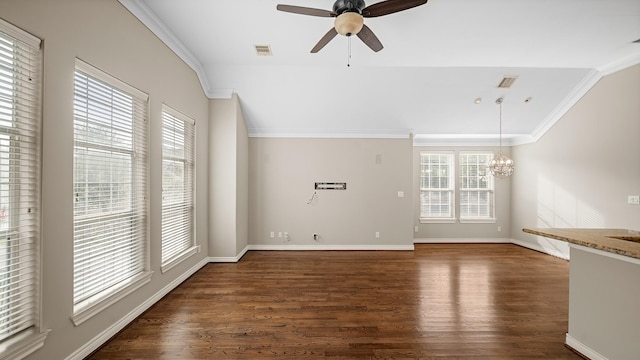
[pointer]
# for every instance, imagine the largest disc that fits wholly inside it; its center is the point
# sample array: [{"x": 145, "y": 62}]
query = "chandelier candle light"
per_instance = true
[{"x": 501, "y": 166}]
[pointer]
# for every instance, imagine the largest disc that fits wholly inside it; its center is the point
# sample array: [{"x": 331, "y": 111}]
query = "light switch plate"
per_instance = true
[{"x": 633, "y": 200}]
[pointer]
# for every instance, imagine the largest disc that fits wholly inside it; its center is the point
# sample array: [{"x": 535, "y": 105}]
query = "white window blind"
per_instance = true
[
  {"x": 436, "y": 186},
  {"x": 110, "y": 186},
  {"x": 476, "y": 187},
  {"x": 178, "y": 140},
  {"x": 20, "y": 74}
]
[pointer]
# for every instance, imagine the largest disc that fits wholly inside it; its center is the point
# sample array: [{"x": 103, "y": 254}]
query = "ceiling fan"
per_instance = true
[{"x": 350, "y": 16}]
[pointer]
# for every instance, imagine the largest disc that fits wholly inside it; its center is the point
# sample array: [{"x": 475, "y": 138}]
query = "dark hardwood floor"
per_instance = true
[{"x": 478, "y": 301}]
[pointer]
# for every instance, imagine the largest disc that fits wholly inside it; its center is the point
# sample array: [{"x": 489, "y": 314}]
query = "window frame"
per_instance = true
[
  {"x": 450, "y": 189},
  {"x": 490, "y": 190},
  {"x": 88, "y": 307},
  {"x": 23, "y": 168},
  {"x": 188, "y": 206}
]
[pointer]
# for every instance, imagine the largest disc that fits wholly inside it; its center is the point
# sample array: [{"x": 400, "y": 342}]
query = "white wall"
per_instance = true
[
  {"x": 106, "y": 35},
  {"x": 282, "y": 177},
  {"x": 459, "y": 231},
  {"x": 580, "y": 173}
]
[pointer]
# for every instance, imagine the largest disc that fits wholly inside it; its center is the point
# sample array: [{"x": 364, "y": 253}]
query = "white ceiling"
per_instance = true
[{"x": 437, "y": 59}]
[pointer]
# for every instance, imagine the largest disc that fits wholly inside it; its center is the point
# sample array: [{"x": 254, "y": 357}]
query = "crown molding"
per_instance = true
[
  {"x": 470, "y": 139},
  {"x": 140, "y": 10},
  {"x": 620, "y": 64},
  {"x": 329, "y": 134},
  {"x": 221, "y": 94},
  {"x": 567, "y": 103}
]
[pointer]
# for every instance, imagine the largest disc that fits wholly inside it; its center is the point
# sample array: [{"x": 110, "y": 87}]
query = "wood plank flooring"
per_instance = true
[{"x": 463, "y": 301}]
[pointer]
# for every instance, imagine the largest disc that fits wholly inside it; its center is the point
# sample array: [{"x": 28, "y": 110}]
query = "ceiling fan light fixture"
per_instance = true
[{"x": 349, "y": 23}]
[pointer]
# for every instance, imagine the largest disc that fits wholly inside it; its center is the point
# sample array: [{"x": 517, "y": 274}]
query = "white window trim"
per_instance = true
[
  {"x": 27, "y": 342},
  {"x": 89, "y": 309},
  {"x": 180, "y": 258},
  {"x": 195, "y": 248},
  {"x": 92, "y": 306},
  {"x": 480, "y": 220},
  {"x": 440, "y": 220},
  {"x": 23, "y": 345}
]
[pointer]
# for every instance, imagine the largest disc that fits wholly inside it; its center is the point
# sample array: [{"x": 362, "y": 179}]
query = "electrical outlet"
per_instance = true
[
  {"x": 377, "y": 234},
  {"x": 279, "y": 234},
  {"x": 633, "y": 200},
  {"x": 499, "y": 228},
  {"x": 273, "y": 234},
  {"x": 416, "y": 228}
]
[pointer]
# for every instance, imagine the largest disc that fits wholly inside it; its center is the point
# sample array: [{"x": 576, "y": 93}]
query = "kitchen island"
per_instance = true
[{"x": 604, "y": 291}]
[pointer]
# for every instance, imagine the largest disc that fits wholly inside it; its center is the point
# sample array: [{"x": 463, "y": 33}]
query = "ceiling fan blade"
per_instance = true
[
  {"x": 370, "y": 39},
  {"x": 305, "y": 10},
  {"x": 390, "y": 7},
  {"x": 325, "y": 40}
]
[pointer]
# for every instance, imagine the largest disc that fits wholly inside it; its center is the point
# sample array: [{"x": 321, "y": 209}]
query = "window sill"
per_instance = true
[
  {"x": 91, "y": 307},
  {"x": 180, "y": 258},
  {"x": 477, "y": 221},
  {"x": 437, "y": 221},
  {"x": 22, "y": 345}
]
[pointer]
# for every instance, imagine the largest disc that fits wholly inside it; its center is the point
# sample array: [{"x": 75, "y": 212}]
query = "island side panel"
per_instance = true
[{"x": 604, "y": 304}]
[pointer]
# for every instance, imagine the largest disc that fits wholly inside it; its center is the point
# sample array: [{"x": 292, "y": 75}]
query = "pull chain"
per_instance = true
[{"x": 349, "y": 51}]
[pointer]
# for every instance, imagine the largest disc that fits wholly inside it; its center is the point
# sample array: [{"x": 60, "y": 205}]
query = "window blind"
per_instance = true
[
  {"x": 436, "y": 186},
  {"x": 20, "y": 79},
  {"x": 110, "y": 185},
  {"x": 178, "y": 140},
  {"x": 476, "y": 186}
]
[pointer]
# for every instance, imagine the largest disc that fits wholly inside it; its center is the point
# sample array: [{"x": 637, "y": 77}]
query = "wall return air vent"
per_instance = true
[{"x": 331, "y": 186}]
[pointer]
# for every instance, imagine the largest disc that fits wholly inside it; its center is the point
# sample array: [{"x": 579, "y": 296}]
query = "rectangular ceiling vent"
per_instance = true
[
  {"x": 263, "y": 50},
  {"x": 507, "y": 81}
]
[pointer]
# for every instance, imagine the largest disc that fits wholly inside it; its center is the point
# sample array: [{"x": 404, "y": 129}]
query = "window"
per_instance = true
[
  {"x": 476, "y": 188},
  {"x": 436, "y": 187},
  {"x": 20, "y": 73},
  {"x": 110, "y": 191},
  {"x": 178, "y": 138}
]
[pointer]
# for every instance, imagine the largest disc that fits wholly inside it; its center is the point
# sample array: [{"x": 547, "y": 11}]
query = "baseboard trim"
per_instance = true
[
  {"x": 116, "y": 327},
  {"x": 462, "y": 241},
  {"x": 229, "y": 259},
  {"x": 333, "y": 247},
  {"x": 583, "y": 349},
  {"x": 540, "y": 248}
]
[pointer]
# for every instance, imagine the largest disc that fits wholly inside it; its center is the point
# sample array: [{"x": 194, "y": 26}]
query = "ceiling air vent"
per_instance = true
[
  {"x": 507, "y": 81},
  {"x": 263, "y": 50}
]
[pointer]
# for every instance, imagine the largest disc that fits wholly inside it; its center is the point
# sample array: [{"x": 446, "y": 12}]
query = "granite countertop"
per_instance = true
[{"x": 617, "y": 241}]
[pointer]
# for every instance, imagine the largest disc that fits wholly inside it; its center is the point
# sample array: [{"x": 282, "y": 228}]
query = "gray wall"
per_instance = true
[
  {"x": 242, "y": 180},
  {"x": 282, "y": 177},
  {"x": 580, "y": 173},
  {"x": 472, "y": 232},
  {"x": 106, "y": 35},
  {"x": 228, "y": 167}
]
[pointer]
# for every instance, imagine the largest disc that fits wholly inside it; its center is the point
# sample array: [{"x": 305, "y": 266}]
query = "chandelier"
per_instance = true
[{"x": 501, "y": 166}]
